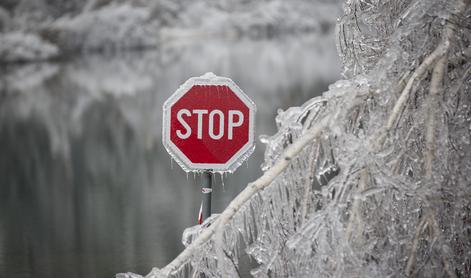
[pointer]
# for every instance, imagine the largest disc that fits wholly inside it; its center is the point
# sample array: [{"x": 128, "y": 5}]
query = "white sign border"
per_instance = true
[{"x": 238, "y": 158}]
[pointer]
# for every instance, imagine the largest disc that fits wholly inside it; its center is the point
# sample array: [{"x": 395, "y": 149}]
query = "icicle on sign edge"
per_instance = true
[{"x": 176, "y": 154}]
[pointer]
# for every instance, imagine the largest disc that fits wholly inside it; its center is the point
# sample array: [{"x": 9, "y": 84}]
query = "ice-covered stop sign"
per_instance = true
[{"x": 208, "y": 124}]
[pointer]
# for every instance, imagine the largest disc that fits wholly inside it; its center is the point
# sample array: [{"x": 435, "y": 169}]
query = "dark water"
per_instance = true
[{"x": 86, "y": 187}]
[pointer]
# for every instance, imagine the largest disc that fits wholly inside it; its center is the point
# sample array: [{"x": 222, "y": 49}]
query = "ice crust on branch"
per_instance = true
[{"x": 343, "y": 205}]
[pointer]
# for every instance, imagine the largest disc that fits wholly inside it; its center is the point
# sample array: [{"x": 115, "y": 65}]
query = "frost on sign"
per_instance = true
[{"x": 208, "y": 124}]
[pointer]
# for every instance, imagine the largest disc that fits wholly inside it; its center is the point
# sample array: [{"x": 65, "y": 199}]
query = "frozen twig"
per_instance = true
[
  {"x": 428, "y": 220},
  {"x": 435, "y": 88},
  {"x": 307, "y": 184},
  {"x": 234, "y": 264},
  {"x": 411, "y": 262},
  {"x": 443, "y": 247},
  {"x": 428, "y": 62},
  {"x": 421, "y": 70},
  {"x": 438, "y": 58},
  {"x": 265, "y": 180},
  {"x": 355, "y": 211}
]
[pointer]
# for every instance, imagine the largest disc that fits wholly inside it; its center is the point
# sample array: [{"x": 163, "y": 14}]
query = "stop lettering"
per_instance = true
[{"x": 215, "y": 121}]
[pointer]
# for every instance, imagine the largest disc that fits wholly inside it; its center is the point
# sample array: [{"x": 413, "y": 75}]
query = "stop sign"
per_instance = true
[{"x": 208, "y": 124}]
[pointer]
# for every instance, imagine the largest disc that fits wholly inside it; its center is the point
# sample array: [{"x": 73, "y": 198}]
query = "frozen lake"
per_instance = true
[{"x": 86, "y": 187}]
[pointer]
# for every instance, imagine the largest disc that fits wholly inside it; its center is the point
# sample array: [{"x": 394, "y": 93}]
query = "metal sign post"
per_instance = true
[{"x": 206, "y": 189}]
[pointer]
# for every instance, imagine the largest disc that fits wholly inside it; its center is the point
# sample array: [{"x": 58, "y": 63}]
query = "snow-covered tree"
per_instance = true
[{"x": 372, "y": 179}]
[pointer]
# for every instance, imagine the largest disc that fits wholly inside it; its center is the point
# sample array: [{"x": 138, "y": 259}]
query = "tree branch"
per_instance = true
[
  {"x": 307, "y": 184},
  {"x": 435, "y": 88},
  {"x": 429, "y": 61},
  {"x": 355, "y": 211},
  {"x": 411, "y": 262}
]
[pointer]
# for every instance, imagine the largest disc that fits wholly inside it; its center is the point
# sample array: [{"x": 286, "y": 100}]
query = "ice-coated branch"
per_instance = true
[
  {"x": 427, "y": 63},
  {"x": 444, "y": 248},
  {"x": 307, "y": 184},
  {"x": 428, "y": 221},
  {"x": 265, "y": 180},
  {"x": 438, "y": 54},
  {"x": 411, "y": 262},
  {"x": 355, "y": 211},
  {"x": 435, "y": 89}
]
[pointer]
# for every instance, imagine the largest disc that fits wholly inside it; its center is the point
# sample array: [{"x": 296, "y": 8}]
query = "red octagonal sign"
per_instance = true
[{"x": 208, "y": 124}]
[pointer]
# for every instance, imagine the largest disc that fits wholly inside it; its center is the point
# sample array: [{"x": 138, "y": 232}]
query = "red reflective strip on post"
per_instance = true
[{"x": 200, "y": 215}]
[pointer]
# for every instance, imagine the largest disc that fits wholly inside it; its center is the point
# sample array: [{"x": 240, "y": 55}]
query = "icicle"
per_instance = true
[{"x": 222, "y": 182}]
